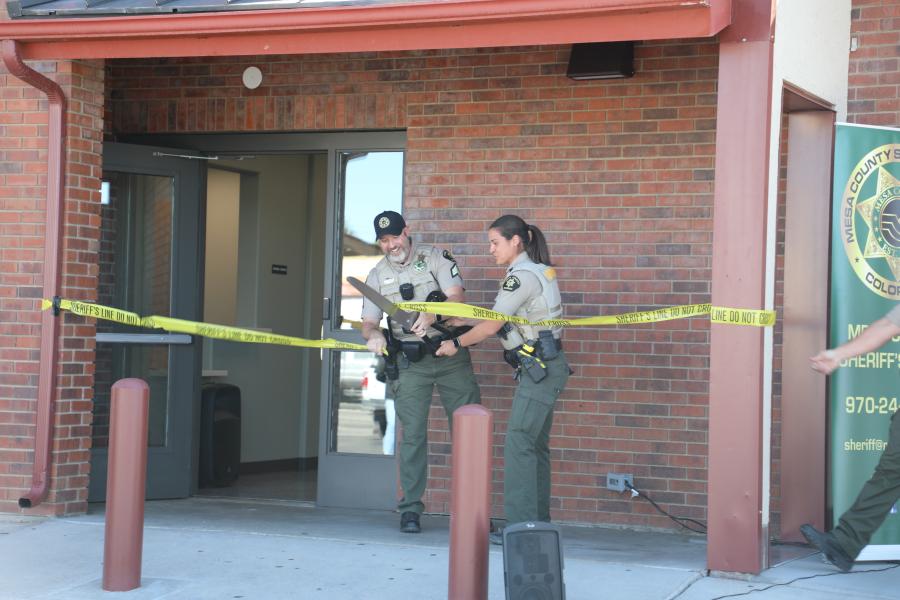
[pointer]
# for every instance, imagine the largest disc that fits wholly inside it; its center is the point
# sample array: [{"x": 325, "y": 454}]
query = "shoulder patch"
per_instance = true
[
  {"x": 511, "y": 283},
  {"x": 454, "y": 271},
  {"x": 449, "y": 256},
  {"x": 550, "y": 273}
]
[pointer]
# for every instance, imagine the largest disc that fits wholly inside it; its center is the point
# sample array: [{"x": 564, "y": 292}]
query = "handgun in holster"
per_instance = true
[{"x": 530, "y": 363}]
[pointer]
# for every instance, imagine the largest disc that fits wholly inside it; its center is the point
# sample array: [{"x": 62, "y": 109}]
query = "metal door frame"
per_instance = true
[
  {"x": 341, "y": 477},
  {"x": 171, "y": 469}
]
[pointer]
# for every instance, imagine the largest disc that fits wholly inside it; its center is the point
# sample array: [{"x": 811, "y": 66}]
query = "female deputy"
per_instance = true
[{"x": 529, "y": 290}]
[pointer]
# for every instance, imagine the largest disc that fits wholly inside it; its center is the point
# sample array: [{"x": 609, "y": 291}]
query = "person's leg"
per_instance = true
[
  {"x": 412, "y": 402},
  {"x": 874, "y": 502},
  {"x": 542, "y": 468},
  {"x": 557, "y": 374},
  {"x": 531, "y": 408},
  {"x": 456, "y": 382}
]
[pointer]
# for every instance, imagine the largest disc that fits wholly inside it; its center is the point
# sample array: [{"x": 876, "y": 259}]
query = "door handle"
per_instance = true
[{"x": 326, "y": 309}]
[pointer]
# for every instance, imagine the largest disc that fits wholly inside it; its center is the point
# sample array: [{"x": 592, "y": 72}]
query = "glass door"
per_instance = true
[
  {"x": 150, "y": 264},
  {"x": 357, "y": 467}
]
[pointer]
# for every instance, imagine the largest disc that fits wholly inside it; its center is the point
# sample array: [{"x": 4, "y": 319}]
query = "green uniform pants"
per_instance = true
[
  {"x": 526, "y": 481},
  {"x": 878, "y": 495},
  {"x": 456, "y": 385}
]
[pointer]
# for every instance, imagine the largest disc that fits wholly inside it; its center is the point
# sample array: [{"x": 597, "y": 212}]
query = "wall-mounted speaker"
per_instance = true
[
  {"x": 532, "y": 562},
  {"x": 601, "y": 60}
]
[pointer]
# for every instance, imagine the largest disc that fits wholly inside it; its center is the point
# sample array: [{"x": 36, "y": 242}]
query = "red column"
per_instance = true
[
  {"x": 736, "y": 539},
  {"x": 470, "y": 496},
  {"x": 125, "y": 485}
]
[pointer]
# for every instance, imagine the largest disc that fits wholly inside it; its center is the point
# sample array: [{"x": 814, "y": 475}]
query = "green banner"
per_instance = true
[{"x": 865, "y": 284}]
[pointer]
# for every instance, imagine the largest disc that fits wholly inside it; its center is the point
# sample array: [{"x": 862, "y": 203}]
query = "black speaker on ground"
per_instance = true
[
  {"x": 220, "y": 434},
  {"x": 601, "y": 60},
  {"x": 533, "y": 562}
]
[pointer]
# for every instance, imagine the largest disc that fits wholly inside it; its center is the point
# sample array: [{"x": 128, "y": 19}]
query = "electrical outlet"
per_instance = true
[{"x": 616, "y": 481}]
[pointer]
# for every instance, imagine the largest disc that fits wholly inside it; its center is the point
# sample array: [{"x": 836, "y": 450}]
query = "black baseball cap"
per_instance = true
[{"x": 388, "y": 223}]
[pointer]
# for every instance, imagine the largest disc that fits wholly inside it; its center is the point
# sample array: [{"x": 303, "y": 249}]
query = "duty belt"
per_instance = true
[
  {"x": 535, "y": 348},
  {"x": 542, "y": 348}
]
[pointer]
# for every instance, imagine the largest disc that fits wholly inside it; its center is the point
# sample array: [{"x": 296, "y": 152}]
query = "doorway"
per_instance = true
[
  {"x": 278, "y": 241},
  {"x": 264, "y": 230}
]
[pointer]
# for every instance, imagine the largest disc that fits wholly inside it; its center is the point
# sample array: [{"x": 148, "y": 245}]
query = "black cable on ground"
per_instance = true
[
  {"x": 637, "y": 492},
  {"x": 768, "y": 587},
  {"x": 680, "y": 520}
]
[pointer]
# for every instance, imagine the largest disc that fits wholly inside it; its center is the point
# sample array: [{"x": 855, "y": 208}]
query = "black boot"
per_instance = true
[
  {"x": 828, "y": 546},
  {"x": 409, "y": 523}
]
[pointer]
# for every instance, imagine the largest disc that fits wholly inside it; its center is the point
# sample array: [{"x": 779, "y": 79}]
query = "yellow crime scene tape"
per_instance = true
[
  {"x": 717, "y": 314},
  {"x": 219, "y": 332}
]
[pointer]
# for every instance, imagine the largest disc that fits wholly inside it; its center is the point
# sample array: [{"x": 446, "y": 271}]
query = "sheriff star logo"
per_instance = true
[
  {"x": 870, "y": 220},
  {"x": 511, "y": 284}
]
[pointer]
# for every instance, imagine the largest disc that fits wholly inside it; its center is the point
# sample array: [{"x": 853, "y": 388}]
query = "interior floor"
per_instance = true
[{"x": 279, "y": 485}]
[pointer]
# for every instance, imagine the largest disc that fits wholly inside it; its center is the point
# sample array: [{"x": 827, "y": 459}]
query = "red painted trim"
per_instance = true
[
  {"x": 754, "y": 21},
  {"x": 53, "y": 231},
  {"x": 457, "y": 24},
  {"x": 736, "y": 539}
]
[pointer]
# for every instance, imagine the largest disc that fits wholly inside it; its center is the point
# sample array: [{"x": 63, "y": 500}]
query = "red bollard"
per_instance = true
[
  {"x": 470, "y": 501},
  {"x": 125, "y": 485}
]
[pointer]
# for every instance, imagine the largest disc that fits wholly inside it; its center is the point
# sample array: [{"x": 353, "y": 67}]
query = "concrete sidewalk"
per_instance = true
[{"x": 208, "y": 548}]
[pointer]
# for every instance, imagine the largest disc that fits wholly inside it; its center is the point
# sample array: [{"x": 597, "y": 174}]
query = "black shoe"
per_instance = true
[
  {"x": 828, "y": 546},
  {"x": 409, "y": 523},
  {"x": 496, "y": 538}
]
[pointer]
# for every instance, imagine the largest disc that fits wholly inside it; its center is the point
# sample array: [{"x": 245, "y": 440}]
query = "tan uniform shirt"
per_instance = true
[
  {"x": 516, "y": 290},
  {"x": 428, "y": 268}
]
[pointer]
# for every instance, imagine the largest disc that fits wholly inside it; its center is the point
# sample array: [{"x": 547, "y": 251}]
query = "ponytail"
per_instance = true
[
  {"x": 537, "y": 248},
  {"x": 532, "y": 238}
]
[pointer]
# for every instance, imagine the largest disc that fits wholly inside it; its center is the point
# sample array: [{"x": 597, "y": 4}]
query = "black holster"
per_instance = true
[
  {"x": 414, "y": 351},
  {"x": 391, "y": 368},
  {"x": 547, "y": 346},
  {"x": 533, "y": 367}
]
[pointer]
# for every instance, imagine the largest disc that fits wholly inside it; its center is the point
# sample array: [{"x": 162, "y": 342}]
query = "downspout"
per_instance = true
[{"x": 56, "y": 145}]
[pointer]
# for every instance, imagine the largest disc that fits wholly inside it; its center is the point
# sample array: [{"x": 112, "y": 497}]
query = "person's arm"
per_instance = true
[
  {"x": 371, "y": 332},
  {"x": 479, "y": 333},
  {"x": 446, "y": 274},
  {"x": 875, "y": 336},
  {"x": 510, "y": 298},
  {"x": 455, "y": 293}
]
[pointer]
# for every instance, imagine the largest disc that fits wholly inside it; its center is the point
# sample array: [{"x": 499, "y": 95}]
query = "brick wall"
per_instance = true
[
  {"x": 775, "y": 498},
  {"x": 23, "y": 161},
  {"x": 104, "y": 365},
  {"x": 874, "y": 79},
  {"x": 618, "y": 174}
]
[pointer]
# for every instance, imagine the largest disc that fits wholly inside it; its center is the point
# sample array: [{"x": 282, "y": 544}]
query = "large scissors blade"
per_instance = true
[{"x": 402, "y": 317}]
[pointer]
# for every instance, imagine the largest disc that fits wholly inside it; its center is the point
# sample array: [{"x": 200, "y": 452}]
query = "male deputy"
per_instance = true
[
  {"x": 410, "y": 272},
  {"x": 843, "y": 544}
]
